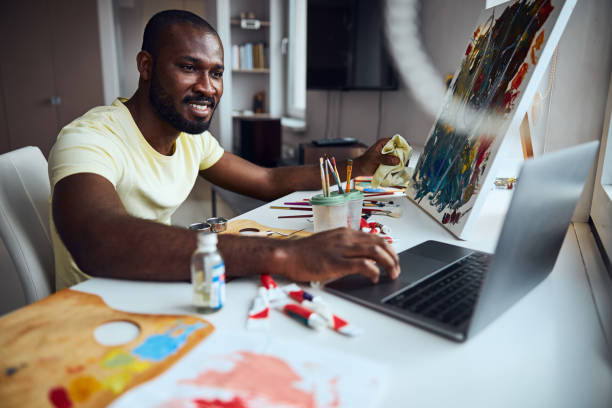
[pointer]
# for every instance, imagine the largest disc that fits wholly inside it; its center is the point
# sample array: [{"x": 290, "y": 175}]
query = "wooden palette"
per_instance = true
[
  {"x": 236, "y": 226},
  {"x": 50, "y": 358}
]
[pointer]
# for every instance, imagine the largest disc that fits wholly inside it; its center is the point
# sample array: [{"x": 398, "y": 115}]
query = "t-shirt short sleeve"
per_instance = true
[
  {"x": 211, "y": 151},
  {"x": 84, "y": 150}
]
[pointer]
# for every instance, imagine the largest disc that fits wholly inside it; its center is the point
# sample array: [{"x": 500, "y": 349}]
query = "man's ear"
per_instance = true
[{"x": 144, "y": 62}]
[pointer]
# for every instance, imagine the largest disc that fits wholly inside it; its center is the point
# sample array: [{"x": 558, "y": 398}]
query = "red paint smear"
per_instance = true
[
  {"x": 509, "y": 98},
  {"x": 544, "y": 10},
  {"x": 216, "y": 403},
  {"x": 297, "y": 295},
  {"x": 59, "y": 398},
  {"x": 75, "y": 369},
  {"x": 261, "y": 315},
  {"x": 258, "y": 376},
  {"x": 520, "y": 75},
  {"x": 339, "y": 323},
  {"x": 267, "y": 281},
  {"x": 469, "y": 49}
]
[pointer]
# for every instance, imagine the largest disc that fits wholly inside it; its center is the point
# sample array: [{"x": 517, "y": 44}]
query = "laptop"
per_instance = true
[{"x": 455, "y": 291}]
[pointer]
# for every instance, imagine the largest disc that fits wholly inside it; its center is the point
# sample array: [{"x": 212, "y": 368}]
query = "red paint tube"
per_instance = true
[
  {"x": 259, "y": 314},
  {"x": 303, "y": 315},
  {"x": 320, "y": 307}
]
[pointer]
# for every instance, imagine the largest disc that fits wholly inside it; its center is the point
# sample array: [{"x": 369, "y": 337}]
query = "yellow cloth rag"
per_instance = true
[{"x": 398, "y": 175}]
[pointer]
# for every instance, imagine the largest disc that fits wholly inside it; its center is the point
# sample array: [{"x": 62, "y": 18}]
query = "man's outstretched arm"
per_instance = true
[
  {"x": 106, "y": 241},
  {"x": 236, "y": 174}
]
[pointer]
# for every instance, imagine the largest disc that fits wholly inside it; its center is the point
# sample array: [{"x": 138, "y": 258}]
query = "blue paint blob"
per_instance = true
[{"x": 159, "y": 346}]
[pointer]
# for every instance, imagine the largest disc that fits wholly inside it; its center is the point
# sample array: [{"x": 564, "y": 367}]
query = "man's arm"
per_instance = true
[
  {"x": 236, "y": 174},
  {"x": 106, "y": 241}
]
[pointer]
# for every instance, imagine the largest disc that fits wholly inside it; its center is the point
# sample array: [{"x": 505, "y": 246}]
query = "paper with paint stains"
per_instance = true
[
  {"x": 490, "y": 93},
  {"x": 241, "y": 370}
]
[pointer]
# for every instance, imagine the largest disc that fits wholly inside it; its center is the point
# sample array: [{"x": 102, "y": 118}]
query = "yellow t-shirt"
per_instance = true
[{"x": 106, "y": 141}]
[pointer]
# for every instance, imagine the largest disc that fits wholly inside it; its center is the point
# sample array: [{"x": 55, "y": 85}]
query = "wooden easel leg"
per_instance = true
[{"x": 526, "y": 139}]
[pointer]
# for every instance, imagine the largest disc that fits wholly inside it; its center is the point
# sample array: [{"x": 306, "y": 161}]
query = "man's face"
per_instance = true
[{"x": 187, "y": 78}]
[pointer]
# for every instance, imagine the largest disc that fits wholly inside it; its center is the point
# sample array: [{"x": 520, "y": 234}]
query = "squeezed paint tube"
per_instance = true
[
  {"x": 259, "y": 314},
  {"x": 275, "y": 294},
  {"x": 319, "y": 306},
  {"x": 304, "y": 315}
]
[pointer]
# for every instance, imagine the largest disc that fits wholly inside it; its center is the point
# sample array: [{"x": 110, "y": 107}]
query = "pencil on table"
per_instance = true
[{"x": 349, "y": 169}]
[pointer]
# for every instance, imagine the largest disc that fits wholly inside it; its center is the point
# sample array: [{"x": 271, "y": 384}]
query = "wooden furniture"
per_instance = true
[
  {"x": 310, "y": 153},
  {"x": 260, "y": 140},
  {"x": 50, "y": 69}
]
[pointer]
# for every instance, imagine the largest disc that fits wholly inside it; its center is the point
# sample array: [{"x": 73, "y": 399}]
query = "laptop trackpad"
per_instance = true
[{"x": 414, "y": 268}]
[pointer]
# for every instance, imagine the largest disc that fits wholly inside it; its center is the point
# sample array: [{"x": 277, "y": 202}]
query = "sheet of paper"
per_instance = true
[{"x": 242, "y": 369}]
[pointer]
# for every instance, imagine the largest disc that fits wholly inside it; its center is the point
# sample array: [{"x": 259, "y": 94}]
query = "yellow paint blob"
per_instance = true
[
  {"x": 117, "y": 382},
  {"x": 81, "y": 388}
]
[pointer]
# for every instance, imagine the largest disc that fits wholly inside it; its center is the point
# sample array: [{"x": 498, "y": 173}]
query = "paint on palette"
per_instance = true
[
  {"x": 59, "y": 397},
  {"x": 159, "y": 346},
  {"x": 81, "y": 388},
  {"x": 121, "y": 366},
  {"x": 10, "y": 371},
  {"x": 449, "y": 173}
]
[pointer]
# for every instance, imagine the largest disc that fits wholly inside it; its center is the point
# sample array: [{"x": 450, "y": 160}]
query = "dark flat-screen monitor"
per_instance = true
[{"x": 346, "y": 46}]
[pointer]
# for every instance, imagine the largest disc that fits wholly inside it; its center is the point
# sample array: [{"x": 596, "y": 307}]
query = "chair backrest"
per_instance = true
[{"x": 24, "y": 219}]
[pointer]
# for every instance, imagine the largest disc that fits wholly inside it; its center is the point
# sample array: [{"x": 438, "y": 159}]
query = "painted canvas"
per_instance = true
[
  {"x": 503, "y": 64},
  {"x": 254, "y": 370}
]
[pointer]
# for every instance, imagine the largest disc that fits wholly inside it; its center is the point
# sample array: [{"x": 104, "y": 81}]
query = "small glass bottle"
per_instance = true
[{"x": 207, "y": 274}]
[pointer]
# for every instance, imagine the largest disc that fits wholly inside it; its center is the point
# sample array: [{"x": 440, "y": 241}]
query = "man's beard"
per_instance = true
[{"x": 162, "y": 103}]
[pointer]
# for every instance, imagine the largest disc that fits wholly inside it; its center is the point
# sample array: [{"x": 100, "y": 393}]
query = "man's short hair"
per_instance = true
[{"x": 163, "y": 20}]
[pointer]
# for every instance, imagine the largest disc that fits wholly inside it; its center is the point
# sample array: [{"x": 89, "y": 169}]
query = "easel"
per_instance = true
[
  {"x": 525, "y": 134},
  {"x": 524, "y": 131}
]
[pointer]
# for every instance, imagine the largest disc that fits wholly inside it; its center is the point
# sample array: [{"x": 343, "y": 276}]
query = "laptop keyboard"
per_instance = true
[{"x": 448, "y": 296}]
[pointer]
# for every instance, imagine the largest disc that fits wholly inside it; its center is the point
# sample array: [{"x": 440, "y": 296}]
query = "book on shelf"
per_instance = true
[{"x": 249, "y": 56}]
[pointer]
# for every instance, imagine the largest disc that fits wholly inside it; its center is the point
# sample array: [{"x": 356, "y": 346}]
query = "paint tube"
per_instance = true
[
  {"x": 320, "y": 307},
  {"x": 303, "y": 315},
  {"x": 275, "y": 294},
  {"x": 259, "y": 314}
]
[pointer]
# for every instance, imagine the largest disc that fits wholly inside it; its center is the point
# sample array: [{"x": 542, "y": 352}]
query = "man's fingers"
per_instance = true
[
  {"x": 365, "y": 267},
  {"x": 389, "y": 160},
  {"x": 378, "y": 254}
]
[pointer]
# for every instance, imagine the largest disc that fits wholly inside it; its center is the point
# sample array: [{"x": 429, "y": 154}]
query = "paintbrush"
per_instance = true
[
  {"x": 380, "y": 194},
  {"x": 331, "y": 168},
  {"x": 377, "y": 211},
  {"x": 337, "y": 175},
  {"x": 327, "y": 178},
  {"x": 349, "y": 169},
  {"x": 295, "y": 216},
  {"x": 276, "y": 207},
  {"x": 322, "y": 176}
]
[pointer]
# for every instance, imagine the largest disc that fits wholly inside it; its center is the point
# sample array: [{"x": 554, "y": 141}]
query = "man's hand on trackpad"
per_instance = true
[{"x": 332, "y": 254}]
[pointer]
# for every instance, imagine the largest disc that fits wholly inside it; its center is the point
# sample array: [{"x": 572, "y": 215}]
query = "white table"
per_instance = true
[{"x": 548, "y": 350}]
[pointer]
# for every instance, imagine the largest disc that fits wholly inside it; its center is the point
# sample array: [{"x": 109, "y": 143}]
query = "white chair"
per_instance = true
[{"x": 24, "y": 219}]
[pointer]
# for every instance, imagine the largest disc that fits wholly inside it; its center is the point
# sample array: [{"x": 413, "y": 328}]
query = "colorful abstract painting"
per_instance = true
[
  {"x": 248, "y": 370},
  {"x": 503, "y": 64}
]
